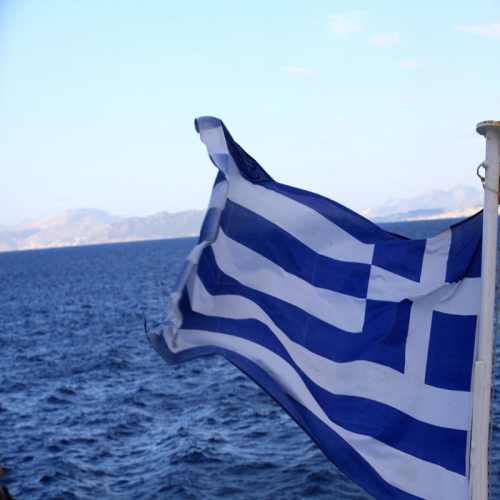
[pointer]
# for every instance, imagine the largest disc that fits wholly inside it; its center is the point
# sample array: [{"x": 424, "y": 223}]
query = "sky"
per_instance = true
[{"x": 360, "y": 101}]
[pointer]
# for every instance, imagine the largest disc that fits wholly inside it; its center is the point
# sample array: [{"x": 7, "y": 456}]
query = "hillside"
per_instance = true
[
  {"x": 91, "y": 226},
  {"x": 462, "y": 201}
]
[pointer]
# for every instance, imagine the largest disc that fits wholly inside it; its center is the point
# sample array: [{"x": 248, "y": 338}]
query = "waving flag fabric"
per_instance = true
[{"x": 364, "y": 337}]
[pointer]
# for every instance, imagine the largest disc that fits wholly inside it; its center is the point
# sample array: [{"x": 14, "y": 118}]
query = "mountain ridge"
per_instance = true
[
  {"x": 93, "y": 226},
  {"x": 461, "y": 201}
]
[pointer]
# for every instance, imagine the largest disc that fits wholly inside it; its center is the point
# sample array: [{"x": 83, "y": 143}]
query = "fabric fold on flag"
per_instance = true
[{"x": 364, "y": 337}]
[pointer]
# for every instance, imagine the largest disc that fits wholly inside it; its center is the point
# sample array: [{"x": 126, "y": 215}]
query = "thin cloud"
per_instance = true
[
  {"x": 409, "y": 63},
  {"x": 345, "y": 24},
  {"x": 385, "y": 39},
  {"x": 491, "y": 31},
  {"x": 298, "y": 71}
]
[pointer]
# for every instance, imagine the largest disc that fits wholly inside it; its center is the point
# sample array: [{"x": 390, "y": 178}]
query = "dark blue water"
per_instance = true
[{"x": 89, "y": 410}]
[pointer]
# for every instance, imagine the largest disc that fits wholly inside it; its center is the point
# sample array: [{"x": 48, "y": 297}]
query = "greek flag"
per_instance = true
[{"x": 364, "y": 337}]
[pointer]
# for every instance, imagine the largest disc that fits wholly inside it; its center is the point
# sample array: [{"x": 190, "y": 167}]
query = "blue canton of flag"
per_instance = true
[{"x": 364, "y": 337}]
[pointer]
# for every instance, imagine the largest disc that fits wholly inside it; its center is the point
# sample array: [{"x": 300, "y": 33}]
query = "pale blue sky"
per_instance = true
[{"x": 360, "y": 101}]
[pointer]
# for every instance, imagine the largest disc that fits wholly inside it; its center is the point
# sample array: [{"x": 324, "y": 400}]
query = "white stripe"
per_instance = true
[
  {"x": 363, "y": 379},
  {"x": 400, "y": 469},
  {"x": 425, "y": 295},
  {"x": 302, "y": 222},
  {"x": 256, "y": 272},
  {"x": 385, "y": 285},
  {"x": 460, "y": 298},
  {"x": 417, "y": 341},
  {"x": 435, "y": 262},
  {"x": 214, "y": 140}
]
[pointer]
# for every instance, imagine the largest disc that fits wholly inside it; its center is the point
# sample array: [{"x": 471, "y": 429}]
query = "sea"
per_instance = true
[{"x": 89, "y": 410}]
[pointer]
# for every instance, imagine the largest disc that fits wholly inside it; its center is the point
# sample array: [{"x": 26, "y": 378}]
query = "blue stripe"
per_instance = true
[
  {"x": 219, "y": 178},
  {"x": 465, "y": 251},
  {"x": 439, "y": 445},
  {"x": 247, "y": 166},
  {"x": 277, "y": 245},
  {"x": 445, "y": 447},
  {"x": 382, "y": 340},
  {"x": 451, "y": 368},
  {"x": 351, "y": 222},
  {"x": 404, "y": 258}
]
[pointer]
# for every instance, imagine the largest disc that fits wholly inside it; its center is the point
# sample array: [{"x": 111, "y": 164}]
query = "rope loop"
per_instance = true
[{"x": 484, "y": 165}]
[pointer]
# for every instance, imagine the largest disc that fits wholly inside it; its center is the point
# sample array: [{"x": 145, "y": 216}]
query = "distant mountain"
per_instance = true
[
  {"x": 158, "y": 226},
  {"x": 91, "y": 226},
  {"x": 461, "y": 201}
]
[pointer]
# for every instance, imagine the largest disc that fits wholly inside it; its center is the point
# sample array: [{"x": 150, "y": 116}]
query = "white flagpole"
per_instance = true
[{"x": 483, "y": 365}]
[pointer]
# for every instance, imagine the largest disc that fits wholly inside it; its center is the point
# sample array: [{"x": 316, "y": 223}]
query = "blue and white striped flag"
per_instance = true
[{"x": 364, "y": 337}]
